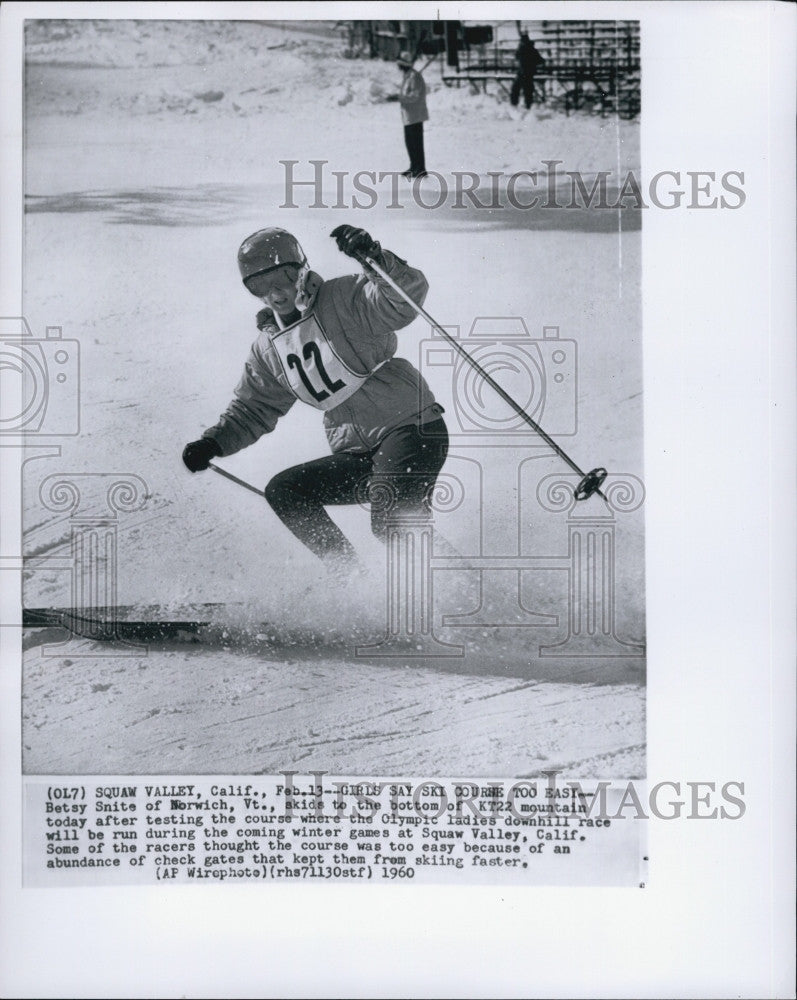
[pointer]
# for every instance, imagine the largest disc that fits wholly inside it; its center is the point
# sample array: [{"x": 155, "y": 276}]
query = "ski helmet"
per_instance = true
[{"x": 268, "y": 249}]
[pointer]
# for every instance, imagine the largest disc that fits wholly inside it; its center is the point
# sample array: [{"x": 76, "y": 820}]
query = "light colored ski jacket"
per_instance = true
[
  {"x": 339, "y": 358},
  {"x": 412, "y": 96}
]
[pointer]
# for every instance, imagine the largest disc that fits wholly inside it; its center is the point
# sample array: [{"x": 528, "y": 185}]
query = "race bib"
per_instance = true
[{"x": 314, "y": 371}]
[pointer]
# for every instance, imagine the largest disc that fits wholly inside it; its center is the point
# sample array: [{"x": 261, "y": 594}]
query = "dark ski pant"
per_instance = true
[
  {"x": 397, "y": 478},
  {"x": 522, "y": 84},
  {"x": 413, "y": 140}
]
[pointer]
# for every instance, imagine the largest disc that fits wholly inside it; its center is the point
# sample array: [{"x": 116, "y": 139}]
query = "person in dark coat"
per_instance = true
[{"x": 529, "y": 61}]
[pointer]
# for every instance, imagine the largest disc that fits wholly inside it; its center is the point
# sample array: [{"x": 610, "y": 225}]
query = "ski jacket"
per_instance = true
[
  {"x": 412, "y": 97},
  {"x": 341, "y": 348},
  {"x": 529, "y": 59}
]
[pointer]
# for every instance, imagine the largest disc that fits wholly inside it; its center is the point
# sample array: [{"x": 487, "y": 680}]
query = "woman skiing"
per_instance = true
[{"x": 331, "y": 344}]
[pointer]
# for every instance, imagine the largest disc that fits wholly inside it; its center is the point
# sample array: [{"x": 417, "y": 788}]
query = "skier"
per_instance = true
[{"x": 331, "y": 344}]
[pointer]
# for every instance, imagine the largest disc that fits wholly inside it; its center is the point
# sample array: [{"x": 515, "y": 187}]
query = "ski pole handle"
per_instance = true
[
  {"x": 472, "y": 362},
  {"x": 590, "y": 482}
]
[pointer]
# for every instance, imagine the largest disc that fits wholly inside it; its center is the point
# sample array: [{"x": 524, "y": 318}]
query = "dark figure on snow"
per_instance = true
[
  {"x": 529, "y": 61},
  {"x": 412, "y": 97},
  {"x": 331, "y": 344}
]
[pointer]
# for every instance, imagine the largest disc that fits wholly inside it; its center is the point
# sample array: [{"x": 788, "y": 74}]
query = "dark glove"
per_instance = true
[
  {"x": 356, "y": 243},
  {"x": 197, "y": 454}
]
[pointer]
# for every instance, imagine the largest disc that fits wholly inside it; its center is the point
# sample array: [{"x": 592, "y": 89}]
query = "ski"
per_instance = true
[{"x": 107, "y": 624}]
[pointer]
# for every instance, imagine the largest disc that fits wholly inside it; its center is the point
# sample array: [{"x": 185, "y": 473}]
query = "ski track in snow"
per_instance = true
[
  {"x": 231, "y": 713},
  {"x": 141, "y": 181}
]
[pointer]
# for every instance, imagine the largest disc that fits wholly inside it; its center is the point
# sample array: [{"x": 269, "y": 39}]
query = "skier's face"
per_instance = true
[{"x": 276, "y": 288}]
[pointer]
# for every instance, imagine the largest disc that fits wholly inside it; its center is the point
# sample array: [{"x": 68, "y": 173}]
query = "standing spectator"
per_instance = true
[
  {"x": 412, "y": 97},
  {"x": 529, "y": 61}
]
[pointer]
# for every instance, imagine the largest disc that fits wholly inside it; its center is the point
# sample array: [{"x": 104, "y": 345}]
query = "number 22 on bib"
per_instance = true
[{"x": 314, "y": 371}]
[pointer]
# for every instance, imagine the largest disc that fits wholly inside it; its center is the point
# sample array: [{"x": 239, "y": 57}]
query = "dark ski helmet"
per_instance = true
[{"x": 268, "y": 249}]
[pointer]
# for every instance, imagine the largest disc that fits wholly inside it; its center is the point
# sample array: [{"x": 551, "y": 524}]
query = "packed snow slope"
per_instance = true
[{"x": 151, "y": 149}]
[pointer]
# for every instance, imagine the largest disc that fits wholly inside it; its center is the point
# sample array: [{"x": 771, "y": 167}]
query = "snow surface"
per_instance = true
[{"x": 152, "y": 149}]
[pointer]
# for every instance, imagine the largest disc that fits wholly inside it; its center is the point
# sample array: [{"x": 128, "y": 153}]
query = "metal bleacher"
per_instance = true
[{"x": 591, "y": 66}]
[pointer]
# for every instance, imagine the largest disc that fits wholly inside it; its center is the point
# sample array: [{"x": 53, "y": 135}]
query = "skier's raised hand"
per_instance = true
[
  {"x": 197, "y": 454},
  {"x": 356, "y": 243}
]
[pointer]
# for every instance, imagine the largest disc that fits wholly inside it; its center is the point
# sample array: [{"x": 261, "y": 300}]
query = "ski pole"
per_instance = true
[
  {"x": 590, "y": 482},
  {"x": 235, "y": 479}
]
